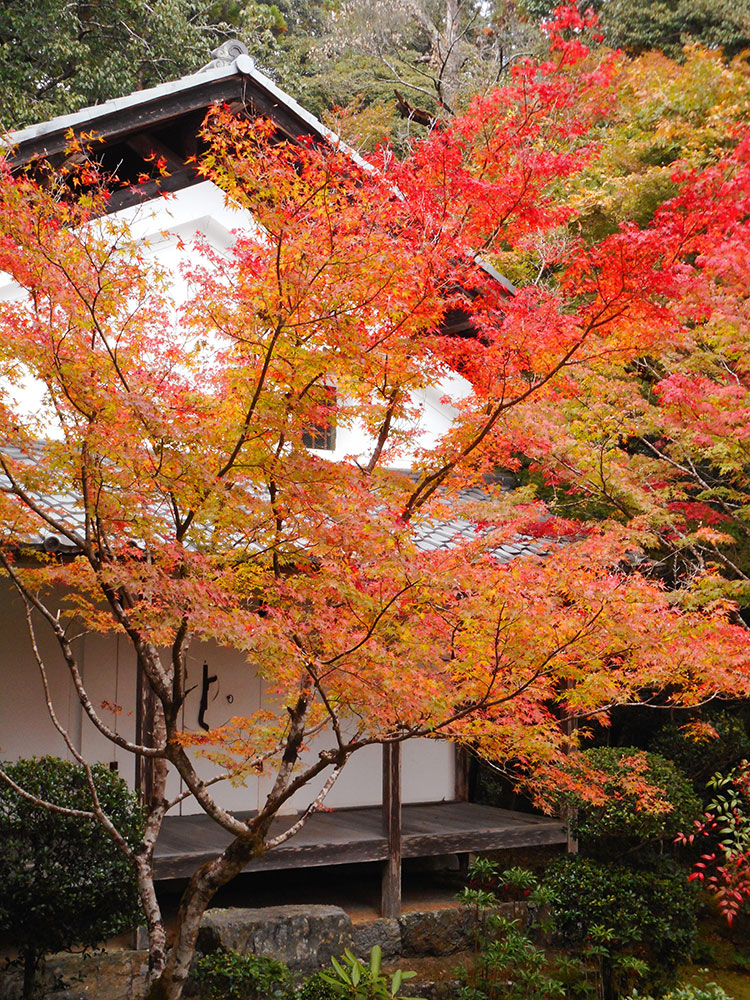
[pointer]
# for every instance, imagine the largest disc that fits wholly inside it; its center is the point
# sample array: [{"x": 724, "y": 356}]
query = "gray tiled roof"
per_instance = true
[
  {"x": 64, "y": 507},
  {"x": 435, "y": 535},
  {"x": 449, "y": 534},
  {"x": 432, "y": 535},
  {"x": 243, "y": 65}
]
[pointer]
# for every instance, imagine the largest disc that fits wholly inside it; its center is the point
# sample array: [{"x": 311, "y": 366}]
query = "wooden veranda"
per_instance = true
[
  {"x": 347, "y": 836},
  {"x": 374, "y": 833}
]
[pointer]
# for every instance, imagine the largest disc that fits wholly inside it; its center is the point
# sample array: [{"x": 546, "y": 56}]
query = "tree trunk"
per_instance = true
[
  {"x": 157, "y": 935},
  {"x": 204, "y": 884},
  {"x": 449, "y": 57},
  {"x": 30, "y": 970}
]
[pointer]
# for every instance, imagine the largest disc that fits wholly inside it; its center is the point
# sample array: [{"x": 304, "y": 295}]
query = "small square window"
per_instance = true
[{"x": 321, "y": 434}]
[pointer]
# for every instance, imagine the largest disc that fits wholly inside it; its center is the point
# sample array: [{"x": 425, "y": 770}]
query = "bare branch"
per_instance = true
[
  {"x": 43, "y": 803},
  {"x": 31, "y": 600},
  {"x": 312, "y": 808}
]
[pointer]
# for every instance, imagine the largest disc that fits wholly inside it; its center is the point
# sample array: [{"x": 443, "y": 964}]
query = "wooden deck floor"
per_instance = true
[{"x": 346, "y": 836}]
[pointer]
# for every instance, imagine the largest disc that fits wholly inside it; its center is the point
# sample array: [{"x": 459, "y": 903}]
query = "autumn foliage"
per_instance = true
[{"x": 167, "y": 450}]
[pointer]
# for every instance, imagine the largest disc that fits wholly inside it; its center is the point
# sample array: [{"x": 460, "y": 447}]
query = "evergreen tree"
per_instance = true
[{"x": 57, "y": 56}]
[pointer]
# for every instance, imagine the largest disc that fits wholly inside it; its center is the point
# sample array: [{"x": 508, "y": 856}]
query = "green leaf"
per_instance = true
[
  {"x": 396, "y": 981},
  {"x": 343, "y": 974},
  {"x": 376, "y": 957}
]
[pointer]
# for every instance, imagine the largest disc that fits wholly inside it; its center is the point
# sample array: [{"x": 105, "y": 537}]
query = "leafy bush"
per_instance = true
[
  {"x": 316, "y": 987},
  {"x": 64, "y": 882},
  {"x": 646, "y": 800},
  {"x": 638, "y": 925},
  {"x": 227, "y": 975},
  {"x": 724, "y": 865},
  {"x": 507, "y": 963},
  {"x": 689, "y": 992},
  {"x": 351, "y": 979},
  {"x": 700, "y": 757}
]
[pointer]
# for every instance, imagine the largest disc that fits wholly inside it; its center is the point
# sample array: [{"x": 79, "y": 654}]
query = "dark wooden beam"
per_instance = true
[
  {"x": 390, "y": 905},
  {"x": 569, "y": 814},
  {"x": 352, "y": 836},
  {"x": 147, "y": 146},
  {"x": 139, "y": 194},
  {"x": 461, "y": 793},
  {"x": 123, "y": 122},
  {"x": 238, "y": 92},
  {"x": 461, "y": 788}
]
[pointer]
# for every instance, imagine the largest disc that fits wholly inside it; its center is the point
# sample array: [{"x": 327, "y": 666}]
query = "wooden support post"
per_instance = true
[
  {"x": 390, "y": 904},
  {"x": 569, "y": 814},
  {"x": 461, "y": 792}
]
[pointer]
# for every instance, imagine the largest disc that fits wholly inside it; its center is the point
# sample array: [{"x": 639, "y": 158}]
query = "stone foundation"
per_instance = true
[{"x": 304, "y": 937}]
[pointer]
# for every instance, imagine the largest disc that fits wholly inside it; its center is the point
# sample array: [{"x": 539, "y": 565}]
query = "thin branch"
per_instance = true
[
  {"x": 384, "y": 431},
  {"x": 43, "y": 803},
  {"x": 23, "y": 495},
  {"x": 312, "y": 808},
  {"x": 199, "y": 790},
  {"x": 97, "y": 813},
  {"x": 373, "y": 625},
  {"x": 187, "y": 793}
]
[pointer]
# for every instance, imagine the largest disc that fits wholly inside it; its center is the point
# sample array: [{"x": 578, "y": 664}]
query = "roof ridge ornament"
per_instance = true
[{"x": 227, "y": 53}]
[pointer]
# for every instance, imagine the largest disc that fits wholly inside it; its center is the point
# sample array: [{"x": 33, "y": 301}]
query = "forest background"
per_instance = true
[{"x": 57, "y": 56}]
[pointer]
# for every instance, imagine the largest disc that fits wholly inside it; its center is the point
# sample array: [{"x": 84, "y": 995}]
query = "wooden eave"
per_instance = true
[
  {"x": 241, "y": 87},
  {"x": 165, "y": 121}
]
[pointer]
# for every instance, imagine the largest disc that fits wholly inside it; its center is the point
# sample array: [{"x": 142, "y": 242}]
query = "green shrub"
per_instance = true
[
  {"x": 624, "y": 823},
  {"x": 64, "y": 883},
  {"x": 688, "y": 992},
  {"x": 507, "y": 963},
  {"x": 316, "y": 987},
  {"x": 638, "y": 925},
  {"x": 226, "y": 975},
  {"x": 700, "y": 758},
  {"x": 350, "y": 979}
]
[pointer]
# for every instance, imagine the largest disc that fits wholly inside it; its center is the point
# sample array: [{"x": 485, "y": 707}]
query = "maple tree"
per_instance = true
[
  {"x": 666, "y": 113},
  {"x": 173, "y": 466},
  {"x": 658, "y": 442}
]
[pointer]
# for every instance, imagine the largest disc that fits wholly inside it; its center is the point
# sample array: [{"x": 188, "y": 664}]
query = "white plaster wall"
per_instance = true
[
  {"x": 108, "y": 666},
  {"x": 428, "y": 771},
  {"x": 237, "y": 692},
  {"x": 25, "y": 726},
  {"x": 169, "y": 228},
  {"x": 427, "y": 775},
  {"x": 109, "y": 670}
]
